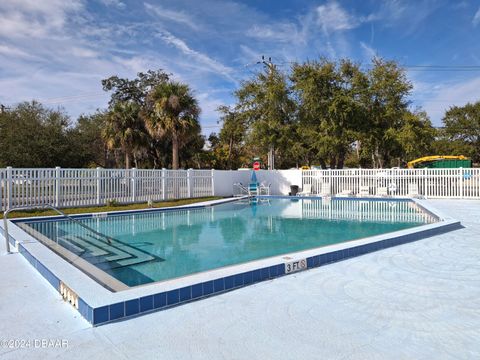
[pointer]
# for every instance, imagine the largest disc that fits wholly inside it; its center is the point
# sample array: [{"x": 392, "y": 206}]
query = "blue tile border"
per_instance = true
[
  {"x": 117, "y": 311},
  {"x": 137, "y": 306},
  {"x": 132, "y": 307}
]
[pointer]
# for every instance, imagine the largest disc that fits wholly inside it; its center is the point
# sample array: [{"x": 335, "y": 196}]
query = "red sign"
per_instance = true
[{"x": 256, "y": 165}]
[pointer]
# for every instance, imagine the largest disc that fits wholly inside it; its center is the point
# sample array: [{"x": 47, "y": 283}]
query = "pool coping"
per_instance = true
[{"x": 98, "y": 305}]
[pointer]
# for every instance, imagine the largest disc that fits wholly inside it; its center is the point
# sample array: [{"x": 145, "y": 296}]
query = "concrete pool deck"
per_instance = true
[{"x": 415, "y": 301}]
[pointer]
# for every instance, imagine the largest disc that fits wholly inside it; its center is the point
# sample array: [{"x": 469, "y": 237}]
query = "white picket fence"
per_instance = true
[
  {"x": 90, "y": 187},
  {"x": 431, "y": 183}
]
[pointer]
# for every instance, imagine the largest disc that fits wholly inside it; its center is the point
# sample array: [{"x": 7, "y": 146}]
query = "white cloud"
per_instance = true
[
  {"x": 332, "y": 17},
  {"x": 31, "y": 18},
  {"x": 283, "y": 32},
  {"x": 448, "y": 95},
  {"x": 209, "y": 105},
  {"x": 211, "y": 64},
  {"x": 476, "y": 18},
  {"x": 83, "y": 52},
  {"x": 408, "y": 16},
  {"x": 171, "y": 15},
  {"x": 115, "y": 3}
]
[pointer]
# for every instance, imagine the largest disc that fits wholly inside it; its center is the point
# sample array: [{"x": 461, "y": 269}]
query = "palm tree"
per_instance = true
[
  {"x": 125, "y": 129},
  {"x": 173, "y": 111}
]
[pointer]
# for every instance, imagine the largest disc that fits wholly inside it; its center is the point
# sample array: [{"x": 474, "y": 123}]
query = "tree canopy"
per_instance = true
[
  {"x": 326, "y": 112},
  {"x": 461, "y": 132},
  {"x": 330, "y": 113}
]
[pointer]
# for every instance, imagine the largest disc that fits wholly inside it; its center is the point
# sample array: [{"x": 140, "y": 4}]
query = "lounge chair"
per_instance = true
[
  {"x": 264, "y": 189},
  {"x": 382, "y": 191},
  {"x": 364, "y": 191},
  {"x": 413, "y": 191},
  {"x": 306, "y": 190},
  {"x": 345, "y": 193},
  {"x": 326, "y": 189}
]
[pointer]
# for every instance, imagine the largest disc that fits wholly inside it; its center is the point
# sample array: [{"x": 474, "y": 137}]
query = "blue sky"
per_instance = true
[{"x": 58, "y": 51}]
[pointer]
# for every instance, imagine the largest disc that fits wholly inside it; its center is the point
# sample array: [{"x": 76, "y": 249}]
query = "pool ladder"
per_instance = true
[{"x": 5, "y": 222}]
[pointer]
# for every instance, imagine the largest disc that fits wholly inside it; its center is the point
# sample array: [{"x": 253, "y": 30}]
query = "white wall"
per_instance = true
[
  {"x": 280, "y": 180},
  {"x": 223, "y": 181}
]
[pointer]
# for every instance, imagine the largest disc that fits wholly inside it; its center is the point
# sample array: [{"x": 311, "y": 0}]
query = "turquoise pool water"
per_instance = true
[{"x": 159, "y": 245}]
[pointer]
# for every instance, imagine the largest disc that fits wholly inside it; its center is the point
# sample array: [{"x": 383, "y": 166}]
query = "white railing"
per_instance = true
[
  {"x": 91, "y": 187},
  {"x": 431, "y": 183}
]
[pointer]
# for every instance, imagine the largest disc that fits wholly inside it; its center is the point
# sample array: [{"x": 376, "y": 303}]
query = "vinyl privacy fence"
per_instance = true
[
  {"x": 431, "y": 183},
  {"x": 90, "y": 187}
]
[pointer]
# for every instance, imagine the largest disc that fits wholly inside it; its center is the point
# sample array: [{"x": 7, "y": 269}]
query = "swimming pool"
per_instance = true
[
  {"x": 155, "y": 246},
  {"x": 134, "y": 262}
]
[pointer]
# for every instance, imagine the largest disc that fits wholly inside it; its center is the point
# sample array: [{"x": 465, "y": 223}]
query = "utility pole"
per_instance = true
[
  {"x": 271, "y": 152},
  {"x": 3, "y": 109}
]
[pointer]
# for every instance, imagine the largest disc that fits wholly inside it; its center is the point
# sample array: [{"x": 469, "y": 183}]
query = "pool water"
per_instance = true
[{"x": 157, "y": 245}]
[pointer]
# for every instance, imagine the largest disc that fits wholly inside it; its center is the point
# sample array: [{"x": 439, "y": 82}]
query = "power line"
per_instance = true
[{"x": 414, "y": 67}]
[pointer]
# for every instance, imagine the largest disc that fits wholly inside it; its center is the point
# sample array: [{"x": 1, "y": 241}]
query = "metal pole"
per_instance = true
[
  {"x": 5, "y": 232},
  {"x": 271, "y": 151}
]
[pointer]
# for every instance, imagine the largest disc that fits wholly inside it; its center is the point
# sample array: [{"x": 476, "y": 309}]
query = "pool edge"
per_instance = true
[{"x": 124, "y": 309}]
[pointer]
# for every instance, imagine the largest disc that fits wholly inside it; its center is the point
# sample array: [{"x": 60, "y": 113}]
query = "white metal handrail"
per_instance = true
[{"x": 8, "y": 211}]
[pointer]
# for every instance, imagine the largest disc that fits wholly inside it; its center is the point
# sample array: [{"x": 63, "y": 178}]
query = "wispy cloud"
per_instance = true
[
  {"x": 476, "y": 18},
  {"x": 409, "y": 16},
  {"x": 179, "y": 17},
  {"x": 281, "y": 32},
  {"x": 368, "y": 50},
  {"x": 24, "y": 18},
  {"x": 13, "y": 51},
  {"x": 201, "y": 58},
  {"x": 115, "y": 3}
]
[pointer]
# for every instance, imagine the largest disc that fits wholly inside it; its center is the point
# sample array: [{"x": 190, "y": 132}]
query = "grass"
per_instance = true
[{"x": 94, "y": 209}]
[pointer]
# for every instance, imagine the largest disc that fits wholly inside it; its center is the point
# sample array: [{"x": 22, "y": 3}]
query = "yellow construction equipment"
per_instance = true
[{"x": 411, "y": 164}]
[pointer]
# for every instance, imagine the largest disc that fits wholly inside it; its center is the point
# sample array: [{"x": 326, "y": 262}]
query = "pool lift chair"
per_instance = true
[
  {"x": 253, "y": 186},
  {"x": 306, "y": 190},
  {"x": 253, "y": 189}
]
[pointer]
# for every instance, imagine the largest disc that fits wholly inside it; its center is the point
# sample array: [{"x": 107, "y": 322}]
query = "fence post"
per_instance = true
[
  {"x": 163, "y": 185},
  {"x": 189, "y": 183},
  {"x": 9, "y": 187},
  {"x": 99, "y": 185},
  {"x": 462, "y": 174},
  {"x": 57, "y": 187},
  {"x": 330, "y": 181},
  {"x": 425, "y": 182},
  {"x": 134, "y": 184},
  {"x": 213, "y": 183}
]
